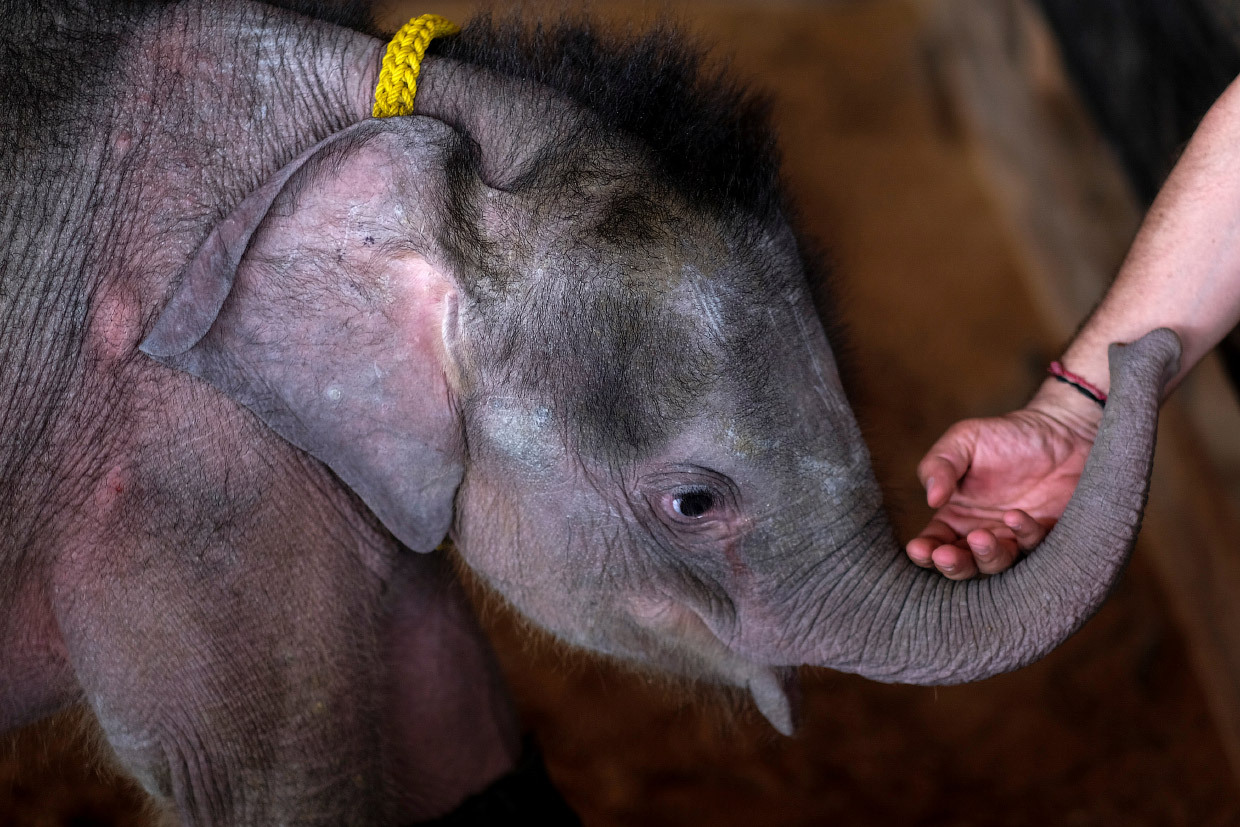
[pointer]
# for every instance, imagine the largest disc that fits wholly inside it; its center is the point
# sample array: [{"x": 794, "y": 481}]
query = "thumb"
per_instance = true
[{"x": 945, "y": 464}]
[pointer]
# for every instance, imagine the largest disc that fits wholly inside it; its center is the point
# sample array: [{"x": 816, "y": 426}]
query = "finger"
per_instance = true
[
  {"x": 939, "y": 476},
  {"x": 935, "y": 534},
  {"x": 1028, "y": 531},
  {"x": 919, "y": 550},
  {"x": 944, "y": 465},
  {"x": 954, "y": 562},
  {"x": 992, "y": 553},
  {"x": 941, "y": 532}
]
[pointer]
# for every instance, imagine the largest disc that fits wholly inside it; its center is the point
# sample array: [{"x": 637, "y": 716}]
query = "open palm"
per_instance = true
[{"x": 999, "y": 485}]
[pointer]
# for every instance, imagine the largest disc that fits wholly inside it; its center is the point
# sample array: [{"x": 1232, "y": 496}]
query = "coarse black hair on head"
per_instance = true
[
  {"x": 710, "y": 134},
  {"x": 352, "y": 14}
]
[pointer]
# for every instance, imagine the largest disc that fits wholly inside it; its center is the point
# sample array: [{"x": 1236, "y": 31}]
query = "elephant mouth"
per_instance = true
[{"x": 775, "y": 689}]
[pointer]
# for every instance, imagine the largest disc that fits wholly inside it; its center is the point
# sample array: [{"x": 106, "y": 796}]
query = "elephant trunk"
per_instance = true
[{"x": 905, "y": 624}]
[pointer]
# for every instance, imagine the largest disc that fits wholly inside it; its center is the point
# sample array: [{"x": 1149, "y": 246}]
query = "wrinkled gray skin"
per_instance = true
[
  {"x": 674, "y": 478},
  {"x": 257, "y": 648}
]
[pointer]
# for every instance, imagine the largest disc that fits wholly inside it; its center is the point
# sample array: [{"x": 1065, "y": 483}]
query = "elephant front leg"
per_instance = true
[
  {"x": 36, "y": 680},
  {"x": 255, "y": 673},
  {"x": 451, "y": 722}
]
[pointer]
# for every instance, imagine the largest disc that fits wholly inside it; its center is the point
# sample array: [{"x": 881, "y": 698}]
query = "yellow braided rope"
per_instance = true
[{"x": 398, "y": 79}]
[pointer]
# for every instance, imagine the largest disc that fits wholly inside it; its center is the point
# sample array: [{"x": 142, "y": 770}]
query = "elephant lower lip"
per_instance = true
[
  {"x": 777, "y": 694},
  {"x": 774, "y": 689}
]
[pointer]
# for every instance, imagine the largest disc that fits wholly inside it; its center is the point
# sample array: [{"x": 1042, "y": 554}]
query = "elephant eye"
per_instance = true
[{"x": 693, "y": 503}]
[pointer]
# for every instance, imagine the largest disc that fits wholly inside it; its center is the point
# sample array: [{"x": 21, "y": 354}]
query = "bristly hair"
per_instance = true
[
  {"x": 712, "y": 135},
  {"x": 352, "y": 14}
]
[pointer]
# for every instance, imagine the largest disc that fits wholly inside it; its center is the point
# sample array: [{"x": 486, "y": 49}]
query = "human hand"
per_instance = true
[{"x": 1000, "y": 484}]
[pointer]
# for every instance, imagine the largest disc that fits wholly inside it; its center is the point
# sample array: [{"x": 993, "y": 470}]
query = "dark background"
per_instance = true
[{"x": 1112, "y": 728}]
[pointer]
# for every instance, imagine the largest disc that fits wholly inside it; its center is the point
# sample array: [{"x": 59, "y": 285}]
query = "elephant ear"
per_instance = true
[{"x": 323, "y": 305}]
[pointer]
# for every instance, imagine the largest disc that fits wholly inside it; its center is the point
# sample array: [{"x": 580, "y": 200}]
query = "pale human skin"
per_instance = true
[{"x": 999, "y": 484}]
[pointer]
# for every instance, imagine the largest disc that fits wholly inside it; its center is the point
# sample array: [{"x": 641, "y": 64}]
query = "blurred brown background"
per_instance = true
[{"x": 973, "y": 214}]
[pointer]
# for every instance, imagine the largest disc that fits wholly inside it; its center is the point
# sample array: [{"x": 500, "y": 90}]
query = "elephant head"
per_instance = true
[{"x": 507, "y": 318}]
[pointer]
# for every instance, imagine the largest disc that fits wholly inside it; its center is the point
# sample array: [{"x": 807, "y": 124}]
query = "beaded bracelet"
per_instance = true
[{"x": 1079, "y": 382}]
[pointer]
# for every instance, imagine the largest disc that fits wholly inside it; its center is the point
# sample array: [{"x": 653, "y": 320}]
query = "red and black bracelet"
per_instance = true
[{"x": 1079, "y": 382}]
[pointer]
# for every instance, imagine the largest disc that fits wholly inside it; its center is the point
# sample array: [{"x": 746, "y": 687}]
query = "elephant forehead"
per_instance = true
[{"x": 520, "y": 432}]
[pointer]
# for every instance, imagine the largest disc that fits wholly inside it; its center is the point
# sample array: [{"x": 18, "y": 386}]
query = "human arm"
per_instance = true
[{"x": 1000, "y": 484}]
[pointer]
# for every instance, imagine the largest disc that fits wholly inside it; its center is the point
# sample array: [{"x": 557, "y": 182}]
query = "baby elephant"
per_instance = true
[{"x": 262, "y": 352}]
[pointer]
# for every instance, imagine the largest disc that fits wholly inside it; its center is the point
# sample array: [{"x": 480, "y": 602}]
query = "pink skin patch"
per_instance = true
[
  {"x": 735, "y": 564},
  {"x": 114, "y": 328},
  {"x": 112, "y": 489}
]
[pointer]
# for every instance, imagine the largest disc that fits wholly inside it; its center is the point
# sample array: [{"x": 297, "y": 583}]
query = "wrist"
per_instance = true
[
  {"x": 1078, "y": 383},
  {"x": 1069, "y": 407}
]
